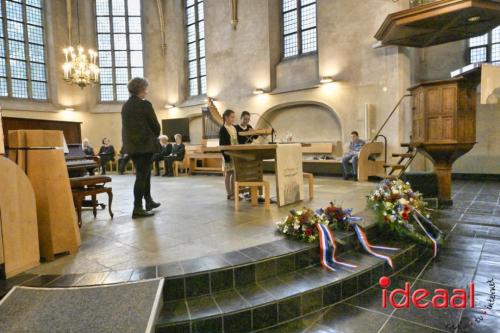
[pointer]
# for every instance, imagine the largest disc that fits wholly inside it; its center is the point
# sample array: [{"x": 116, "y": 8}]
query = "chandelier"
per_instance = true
[{"x": 80, "y": 67}]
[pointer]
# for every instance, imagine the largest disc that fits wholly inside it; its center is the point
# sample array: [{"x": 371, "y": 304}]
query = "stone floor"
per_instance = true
[
  {"x": 471, "y": 253},
  {"x": 195, "y": 220}
]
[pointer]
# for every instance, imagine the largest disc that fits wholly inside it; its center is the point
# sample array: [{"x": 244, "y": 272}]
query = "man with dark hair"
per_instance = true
[
  {"x": 140, "y": 131},
  {"x": 351, "y": 156}
]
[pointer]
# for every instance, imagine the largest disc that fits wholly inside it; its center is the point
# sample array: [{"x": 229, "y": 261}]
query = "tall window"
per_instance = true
[
  {"x": 119, "y": 42},
  {"x": 195, "y": 27},
  {"x": 22, "y": 52},
  {"x": 485, "y": 48},
  {"x": 299, "y": 27}
]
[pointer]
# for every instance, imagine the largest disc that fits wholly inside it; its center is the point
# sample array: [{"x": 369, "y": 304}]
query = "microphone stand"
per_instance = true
[{"x": 273, "y": 132}]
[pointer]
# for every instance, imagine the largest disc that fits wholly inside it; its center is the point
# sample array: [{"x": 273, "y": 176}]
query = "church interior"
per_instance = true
[{"x": 249, "y": 166}]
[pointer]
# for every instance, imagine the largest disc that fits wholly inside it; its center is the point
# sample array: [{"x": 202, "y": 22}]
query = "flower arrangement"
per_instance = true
[
  {"x": 301, "y": 224},
  {"x": 395, "y": 205}
]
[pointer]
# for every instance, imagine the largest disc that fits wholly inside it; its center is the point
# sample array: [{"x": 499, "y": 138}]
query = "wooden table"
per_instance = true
[{"x": 248, "y": 163}]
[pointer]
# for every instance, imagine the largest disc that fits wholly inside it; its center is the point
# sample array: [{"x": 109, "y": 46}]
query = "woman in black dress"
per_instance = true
[
  {"x": 244, "y": 126},
  {"x": 228, "y": 136}
]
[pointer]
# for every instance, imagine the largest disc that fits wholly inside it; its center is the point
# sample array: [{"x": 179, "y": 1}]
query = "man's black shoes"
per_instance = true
[
  {"x": 152, "y": 205},
  {"x": 139, "y": 212},
  {"x": 347, "y": 176}
]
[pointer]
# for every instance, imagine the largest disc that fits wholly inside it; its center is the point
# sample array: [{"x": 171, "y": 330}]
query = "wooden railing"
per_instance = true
[
  {"x": 416, "y": 3},
  {"x": 389, "y": 117}
]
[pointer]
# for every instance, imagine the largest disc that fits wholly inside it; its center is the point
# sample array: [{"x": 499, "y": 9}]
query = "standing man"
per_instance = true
[
  {"x": 140, "y": 131},
  {"x": 352, "y": 156}
]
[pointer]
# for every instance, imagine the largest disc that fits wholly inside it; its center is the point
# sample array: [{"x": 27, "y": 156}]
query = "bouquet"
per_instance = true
[
  {"x": 301, "y": 224},
  {"x": 395, "y": 205}
]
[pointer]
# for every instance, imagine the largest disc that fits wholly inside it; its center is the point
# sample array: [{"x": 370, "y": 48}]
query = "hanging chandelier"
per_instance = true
[{"x": 80, "y": 67}]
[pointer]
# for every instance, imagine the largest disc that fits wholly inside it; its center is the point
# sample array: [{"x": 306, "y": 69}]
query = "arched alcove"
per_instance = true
[{"x": 307, "y": 121}]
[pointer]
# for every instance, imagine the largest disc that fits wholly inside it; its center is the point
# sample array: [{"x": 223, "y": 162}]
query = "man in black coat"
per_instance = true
[
  {"x": 178, "y": 152},
  {"x": 140, "y": 131}
]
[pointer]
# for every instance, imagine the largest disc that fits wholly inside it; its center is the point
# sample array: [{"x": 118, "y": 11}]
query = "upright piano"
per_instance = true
[{"x": 78, "y": 163}]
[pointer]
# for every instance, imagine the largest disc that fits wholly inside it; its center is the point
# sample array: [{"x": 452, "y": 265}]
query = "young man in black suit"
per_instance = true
[{"x": 140, "y": 131}]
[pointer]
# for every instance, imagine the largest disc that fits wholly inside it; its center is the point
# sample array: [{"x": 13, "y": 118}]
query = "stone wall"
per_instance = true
[{"x": 241, "y": 60}]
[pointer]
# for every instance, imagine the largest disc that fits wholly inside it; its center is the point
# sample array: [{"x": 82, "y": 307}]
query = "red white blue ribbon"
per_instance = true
[
  {"x": 416, "y": 214},
  {"x": 363, "y": 239},
  {"x": 327, "y": 248}
]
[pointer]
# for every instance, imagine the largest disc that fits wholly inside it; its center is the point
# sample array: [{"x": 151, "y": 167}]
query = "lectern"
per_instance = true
[
  {"x": 444, "y": 125},
  {"x": 248, "y": 164}
]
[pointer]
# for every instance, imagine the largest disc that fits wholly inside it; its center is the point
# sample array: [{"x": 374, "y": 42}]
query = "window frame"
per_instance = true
[
  {"x": 299, "y": 30},
  {"x": 489, "y": 48},
  {"x": 112, "y": 49},
  {"x": 198, "y": 59},
  {"x": 27, "y": 53}
]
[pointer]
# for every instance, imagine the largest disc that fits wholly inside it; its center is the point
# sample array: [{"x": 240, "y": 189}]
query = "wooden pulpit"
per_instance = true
[{"x": 444, "y": 125}]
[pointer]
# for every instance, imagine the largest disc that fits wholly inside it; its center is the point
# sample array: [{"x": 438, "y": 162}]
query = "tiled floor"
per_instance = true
[
  {"x": 471, "y": 252},
  {"x": 195, "y": 220}
]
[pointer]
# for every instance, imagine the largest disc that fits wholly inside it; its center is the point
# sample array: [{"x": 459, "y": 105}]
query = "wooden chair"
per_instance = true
[
  {"x": 178, "y": 165},
  {"x": 310, "y": 181},
  {"x": 254, "y": 187},
  {"x": 82, "y": 187}
]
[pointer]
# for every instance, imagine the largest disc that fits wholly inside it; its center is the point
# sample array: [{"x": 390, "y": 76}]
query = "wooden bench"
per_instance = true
[
  {"x": 82, "y": 187},
  {"x": 211, "y": 160}
]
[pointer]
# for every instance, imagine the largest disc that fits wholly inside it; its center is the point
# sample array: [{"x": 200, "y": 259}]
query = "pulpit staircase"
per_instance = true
[{"x": 396, "y": 170}]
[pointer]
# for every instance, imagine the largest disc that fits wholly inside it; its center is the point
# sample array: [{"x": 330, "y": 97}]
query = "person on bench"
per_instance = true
[
  {"x": 87, "y": 148},
  {"x": 350, "y": 159},
  {"x": 106, "y": 154},
  {"x": 123, "y": 160},
  {"x": 178, "y": 151},
  {"x": 165, "y": 150}
]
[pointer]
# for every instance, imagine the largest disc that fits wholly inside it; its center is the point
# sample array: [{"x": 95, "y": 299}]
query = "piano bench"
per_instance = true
[{"x": 82, "y": 187}]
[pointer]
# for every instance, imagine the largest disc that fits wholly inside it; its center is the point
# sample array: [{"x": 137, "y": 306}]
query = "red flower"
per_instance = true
[
  {"x": 308, "y": 232},
  {"x": 405, "y": 216}
]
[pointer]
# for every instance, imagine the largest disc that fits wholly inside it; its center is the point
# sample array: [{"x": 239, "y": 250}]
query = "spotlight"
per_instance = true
[
  {"x": 258, "y": 91},
  {"x": 169, "y": 106},
  {"x": 69, "y": 109},
  {"x": 326, "y": 79}
]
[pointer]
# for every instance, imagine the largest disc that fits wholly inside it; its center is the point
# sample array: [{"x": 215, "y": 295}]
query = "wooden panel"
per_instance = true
[
  {"x": 435, "y": 129},
  {"x": 448, "y": 127},
  {"x": 57, "y": 223},
  {"x": 449, "y": 103},
  {"x": 18, "y": 220},
  {"x": 71, "y": 130},
  {"x": 433, "y": 101},
  {"x": 289, "y": 174}
]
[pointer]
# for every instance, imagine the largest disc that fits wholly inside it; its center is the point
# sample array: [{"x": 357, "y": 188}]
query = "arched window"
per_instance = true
[
  {"x": 299, "y": 27},
  {"x": 22, "y": 50},
  {"x": 195, "y": 38},
  {"x": 485, "y": 48},
  {"x": 119, "y": 42}
]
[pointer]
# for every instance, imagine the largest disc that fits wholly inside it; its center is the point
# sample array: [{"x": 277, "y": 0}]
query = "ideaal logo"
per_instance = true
[{"x": 419, "y": 298}]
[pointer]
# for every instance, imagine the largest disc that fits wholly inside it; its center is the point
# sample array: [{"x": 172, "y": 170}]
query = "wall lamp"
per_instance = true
[
  {"x": 169, "y": 106},
  {"x": 258, "y": 91},
  {"x": 326, "y": 79}
]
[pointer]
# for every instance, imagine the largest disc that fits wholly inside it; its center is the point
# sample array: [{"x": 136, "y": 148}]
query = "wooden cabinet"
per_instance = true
[{"x": 444, "y": 124}]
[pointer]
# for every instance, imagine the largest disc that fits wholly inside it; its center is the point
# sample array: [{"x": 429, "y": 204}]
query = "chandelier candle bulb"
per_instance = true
[{"x": 80, "y": 68}]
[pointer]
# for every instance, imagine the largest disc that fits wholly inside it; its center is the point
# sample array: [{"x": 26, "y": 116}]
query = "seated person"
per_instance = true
[
  {"x": 165, "y": 150},
  {"x": 244, "y": 126},
  {"x": 122, "y": 161},
  {"x": 352, "y": 156},
  {"x": 106, "y": 154},
  {"x": 177, "y": 154},
  {"x": 87, "y": 148}
]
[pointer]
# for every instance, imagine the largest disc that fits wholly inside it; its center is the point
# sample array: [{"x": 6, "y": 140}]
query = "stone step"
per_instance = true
[
  {"x": 206, "y": 275},
  {"x": 260, "y": 304}
]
